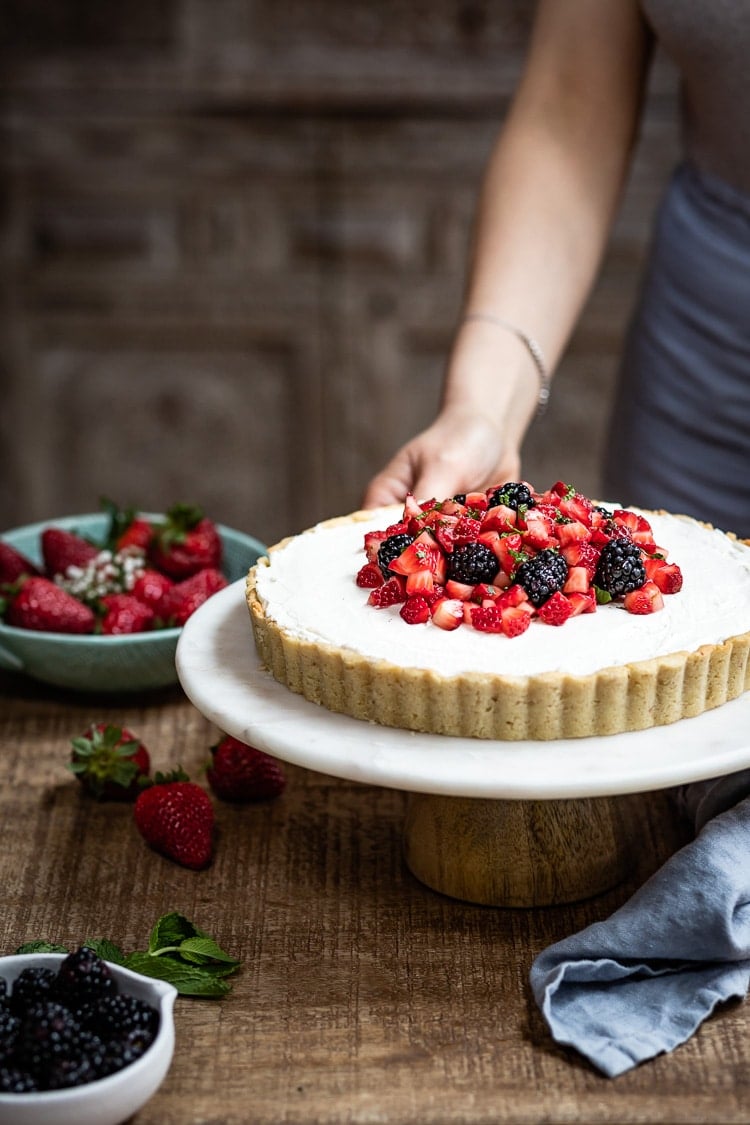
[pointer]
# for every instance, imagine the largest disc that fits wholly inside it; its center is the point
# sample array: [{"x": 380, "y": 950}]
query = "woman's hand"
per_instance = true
[{"x": 459, "y": 452}]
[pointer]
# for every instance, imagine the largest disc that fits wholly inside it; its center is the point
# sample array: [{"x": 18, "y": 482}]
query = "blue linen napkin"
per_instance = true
[{"x": 641, "y": 982}]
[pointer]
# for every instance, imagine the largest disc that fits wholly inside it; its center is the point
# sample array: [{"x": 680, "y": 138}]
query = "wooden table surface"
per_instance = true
[{"x": 363, "y": 996}]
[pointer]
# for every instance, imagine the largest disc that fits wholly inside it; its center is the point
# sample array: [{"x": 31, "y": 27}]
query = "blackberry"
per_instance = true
[
  {"x": 513, "y": 494},
  {"x": 83, "y": 975},
  {"x": 390, "y": 549},
  {"x": 48, "y": 1033},
  {"x": 472, "y": 563},
  {"x": 31, "y": 986},
  {"x": 114, "y": 1016},
  {"x": 13, "y": 1080},
  {"x": 10, "y": 1025},
  {"x": 83, "y": 1063},
  {"x": 620, "y": 568},
  {"x": 125, "y": 1050},
  {"x": 460, "y": 497},
  {"x": 542, "y": 575}
]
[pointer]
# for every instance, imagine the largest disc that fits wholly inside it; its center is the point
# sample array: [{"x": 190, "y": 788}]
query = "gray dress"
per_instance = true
[{"x": 680, "y": 429}]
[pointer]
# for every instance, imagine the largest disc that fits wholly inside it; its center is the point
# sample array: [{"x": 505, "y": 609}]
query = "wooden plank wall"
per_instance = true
[{"x": 233, "y": 245}]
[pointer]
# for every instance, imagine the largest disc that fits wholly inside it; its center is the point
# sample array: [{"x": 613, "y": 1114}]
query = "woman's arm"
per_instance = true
[{"x": 548, "y": 200}]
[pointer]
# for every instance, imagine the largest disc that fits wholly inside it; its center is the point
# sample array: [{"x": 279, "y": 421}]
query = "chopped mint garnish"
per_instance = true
[{"x": 602, "y": 596}]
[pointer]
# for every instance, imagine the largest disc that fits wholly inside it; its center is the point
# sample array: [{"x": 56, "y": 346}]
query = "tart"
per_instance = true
[{"x": 341, "y": 620}]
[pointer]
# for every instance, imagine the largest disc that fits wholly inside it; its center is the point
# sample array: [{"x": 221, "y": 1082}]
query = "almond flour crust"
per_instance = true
[{"x": 629, "y": 697}]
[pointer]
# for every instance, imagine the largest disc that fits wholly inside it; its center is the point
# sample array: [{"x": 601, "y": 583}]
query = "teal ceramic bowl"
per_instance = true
[{"x": 104, "y": 664}]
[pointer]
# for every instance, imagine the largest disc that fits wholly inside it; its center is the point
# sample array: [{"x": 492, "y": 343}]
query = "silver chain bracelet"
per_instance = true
[{"x": 533, "y": 349}]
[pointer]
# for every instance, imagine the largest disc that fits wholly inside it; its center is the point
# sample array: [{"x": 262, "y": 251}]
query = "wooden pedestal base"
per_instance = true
[{"x": 518, "y": 853}]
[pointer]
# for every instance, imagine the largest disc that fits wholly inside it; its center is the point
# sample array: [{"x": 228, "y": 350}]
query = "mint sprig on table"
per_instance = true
[{"x": 178, "y": 952}]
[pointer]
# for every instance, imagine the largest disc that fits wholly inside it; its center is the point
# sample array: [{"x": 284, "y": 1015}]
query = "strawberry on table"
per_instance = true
[
  {"x": 238, "y": 772},
  {"x": 176, "y": 818},
  {"x": 62, "y": 549},
  {"x": 108, "y": 760},
  {"x": 42, "y": 605},
  {"x": 13, "y": 564},
  {"x": 185, "y": 543}
]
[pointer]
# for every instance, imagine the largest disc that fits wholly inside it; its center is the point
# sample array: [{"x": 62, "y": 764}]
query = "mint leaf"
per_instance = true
[
  {"x": 41, "y": 947},
  {"x": 189, "y": 980},
  {"x": 170, "y": 931},
  {"x": 106, "y": 949},
  {"x": 602, "y": 596},
  {"x": 200, "y": 949}
]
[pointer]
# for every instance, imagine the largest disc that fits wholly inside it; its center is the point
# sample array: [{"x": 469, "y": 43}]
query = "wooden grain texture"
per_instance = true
[{"x": 363, "y": 996}]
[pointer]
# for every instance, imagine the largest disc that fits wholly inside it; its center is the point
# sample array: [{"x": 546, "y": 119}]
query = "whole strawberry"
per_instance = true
[
  {"x": 238, "y": 772},
  {"x": 138, "y": 533},
  {"x": 151, "y": 587},
  {"x": 13, "y": 564},
  {"x": 185, "y": 543},
  {"x": 108, "y": 760},
  {"x": 185, "y": 597},
  {"x": 45, "y": 607},
  {"x": 61, "y": 549},
  {"x": 175, "y": 817},
  {"x": 123, "y": 614}
]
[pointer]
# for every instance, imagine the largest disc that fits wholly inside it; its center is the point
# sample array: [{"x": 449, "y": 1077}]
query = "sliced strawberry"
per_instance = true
[
  {"x": 394, "y": 529},
  {"x": 483, "y": 591},
  {"x": 415, "y": 611},
  {"x": 477, "y": 501},
  {"x": 540, "y": 530},
  {"x": 572, "y": 532},
  {"x": 582, "y": 603},
  {"x": 577, "y": 507},
  {"x": 451, "y": 507},
  {"x": 556, "y": 610},
  {"x": 390, "y": 593},
  {"x": 420, "y": 582},
  {"x": 516, "y": 619},
  {"x": 646, "y": 599},
  {"x": 411, "y": 507},
  {"x": 373, "y": 539},
  {"x": 422, "y": 553},
  {"x": 578, "y": 580},
  {"x": 666, "y": 576},
  {"x": 510, "y": 552},
  {"x": 467, "y": 530},
  {"x": 448, "y": 613},
  {"x": 369, "y": 576},
  {"x": 581, "y": 553},
  {"x": 514, "y": 596},
  {"x": 461, "y": 590}
]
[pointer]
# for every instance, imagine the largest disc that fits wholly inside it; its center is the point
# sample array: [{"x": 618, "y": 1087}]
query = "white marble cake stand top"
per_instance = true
[{"x": 221, "y": 674}]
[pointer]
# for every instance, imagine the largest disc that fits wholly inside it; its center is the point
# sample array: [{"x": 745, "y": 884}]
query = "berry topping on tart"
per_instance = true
[{"x": 495, "y": 560}]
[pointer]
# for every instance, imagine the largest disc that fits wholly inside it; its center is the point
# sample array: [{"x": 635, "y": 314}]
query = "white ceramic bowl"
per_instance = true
[{"x": 110, "y": 1100}]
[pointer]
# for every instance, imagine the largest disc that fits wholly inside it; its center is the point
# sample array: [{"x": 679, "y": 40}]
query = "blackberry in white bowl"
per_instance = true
[{"x": 80, "y": 1039}]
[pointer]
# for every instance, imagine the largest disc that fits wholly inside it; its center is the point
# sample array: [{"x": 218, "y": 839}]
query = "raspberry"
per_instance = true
[
  {"x": 556, "y": 610},
  {"x": 369, "y": 576},
  {"x": 390, "y": 593},
  {"x": 488, "y": 619},
  {"x": 415, "y": 611}
]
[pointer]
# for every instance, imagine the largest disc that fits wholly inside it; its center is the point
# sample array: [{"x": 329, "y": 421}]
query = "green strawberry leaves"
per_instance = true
[{"x": 178, "y": 952}]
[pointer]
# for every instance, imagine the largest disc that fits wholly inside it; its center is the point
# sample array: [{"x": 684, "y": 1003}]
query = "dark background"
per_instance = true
[{"x": 233, "y": 248}]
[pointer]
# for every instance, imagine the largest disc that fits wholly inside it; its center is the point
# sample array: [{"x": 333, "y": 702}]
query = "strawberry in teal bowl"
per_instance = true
[{"x": 96, "y": 602}]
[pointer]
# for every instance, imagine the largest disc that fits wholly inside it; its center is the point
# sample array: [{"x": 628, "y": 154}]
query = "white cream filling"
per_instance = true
[{"x": 309, "y": 590}]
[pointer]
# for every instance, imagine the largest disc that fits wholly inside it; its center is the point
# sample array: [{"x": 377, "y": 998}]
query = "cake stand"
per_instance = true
[{"x": 501, "y": 823}]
